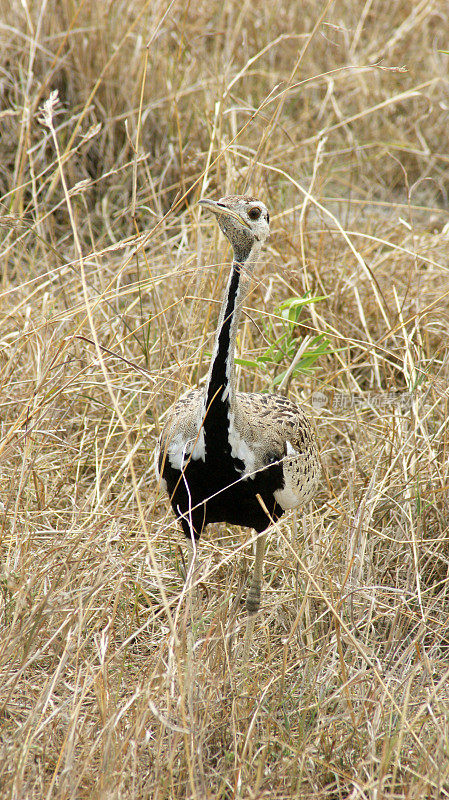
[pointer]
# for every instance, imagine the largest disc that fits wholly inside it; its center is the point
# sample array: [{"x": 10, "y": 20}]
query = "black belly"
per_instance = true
[{"x": 215, "y": 492}]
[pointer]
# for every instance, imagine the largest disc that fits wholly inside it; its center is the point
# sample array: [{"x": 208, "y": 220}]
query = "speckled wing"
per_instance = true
[
  {"x": 180, "y": 431},
  {"x": 275, "y": 428},
  {"x": 263, "y": 429}
]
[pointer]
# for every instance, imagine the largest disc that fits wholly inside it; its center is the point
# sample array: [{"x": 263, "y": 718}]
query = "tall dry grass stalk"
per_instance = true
[{"x": 116, "y": 117}]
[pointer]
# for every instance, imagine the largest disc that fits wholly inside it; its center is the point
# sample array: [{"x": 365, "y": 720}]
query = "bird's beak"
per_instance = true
[{"x": 221, "y": 210}]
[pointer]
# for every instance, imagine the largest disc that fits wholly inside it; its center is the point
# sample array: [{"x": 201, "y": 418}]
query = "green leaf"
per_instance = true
[{"x": 246, "y": 362}]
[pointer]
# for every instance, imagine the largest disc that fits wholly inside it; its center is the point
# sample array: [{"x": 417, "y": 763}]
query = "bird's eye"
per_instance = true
[{"x": 254, "y": 213}]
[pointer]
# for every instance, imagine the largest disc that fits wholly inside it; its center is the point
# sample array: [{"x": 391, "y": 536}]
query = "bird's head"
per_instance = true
[{"x": 243, "y": 220}]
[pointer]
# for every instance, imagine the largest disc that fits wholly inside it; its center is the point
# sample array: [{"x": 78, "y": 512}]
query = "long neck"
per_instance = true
[{"x": 220, "y": 386}]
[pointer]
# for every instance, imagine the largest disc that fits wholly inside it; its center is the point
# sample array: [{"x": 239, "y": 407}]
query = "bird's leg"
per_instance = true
[{"x": 253, "y": 598}]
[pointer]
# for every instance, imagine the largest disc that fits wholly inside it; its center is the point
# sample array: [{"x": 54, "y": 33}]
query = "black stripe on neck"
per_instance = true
[{"x": 218, "y": 380}]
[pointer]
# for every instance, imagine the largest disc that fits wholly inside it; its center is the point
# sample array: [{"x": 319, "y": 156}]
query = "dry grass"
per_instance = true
[{"x": 336, "y": 114}]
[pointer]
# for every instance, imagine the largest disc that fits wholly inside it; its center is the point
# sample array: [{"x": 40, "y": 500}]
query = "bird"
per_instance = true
[{"x": 229, "y": 456}]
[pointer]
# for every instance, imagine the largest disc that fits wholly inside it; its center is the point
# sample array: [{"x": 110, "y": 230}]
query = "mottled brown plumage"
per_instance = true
[{"x": 266, "y": 423}]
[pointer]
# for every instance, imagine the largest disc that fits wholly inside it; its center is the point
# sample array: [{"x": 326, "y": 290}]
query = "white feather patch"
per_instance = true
[
  {"x": 287, "y": 497},
  {"x": 161, "y": 481},
  {"x": 239, "y": 448},
  {"x": 181, "y": 449},
  {"x": 290, "y": 495},
  {"x": 290, "y": 449}
]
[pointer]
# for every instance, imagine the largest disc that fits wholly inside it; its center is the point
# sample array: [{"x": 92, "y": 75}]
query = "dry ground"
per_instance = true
[{"x": 336, "y": 114}]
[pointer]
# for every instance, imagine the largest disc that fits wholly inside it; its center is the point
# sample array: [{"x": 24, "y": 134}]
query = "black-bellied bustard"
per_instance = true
[{"x": 228, "y": 456}]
